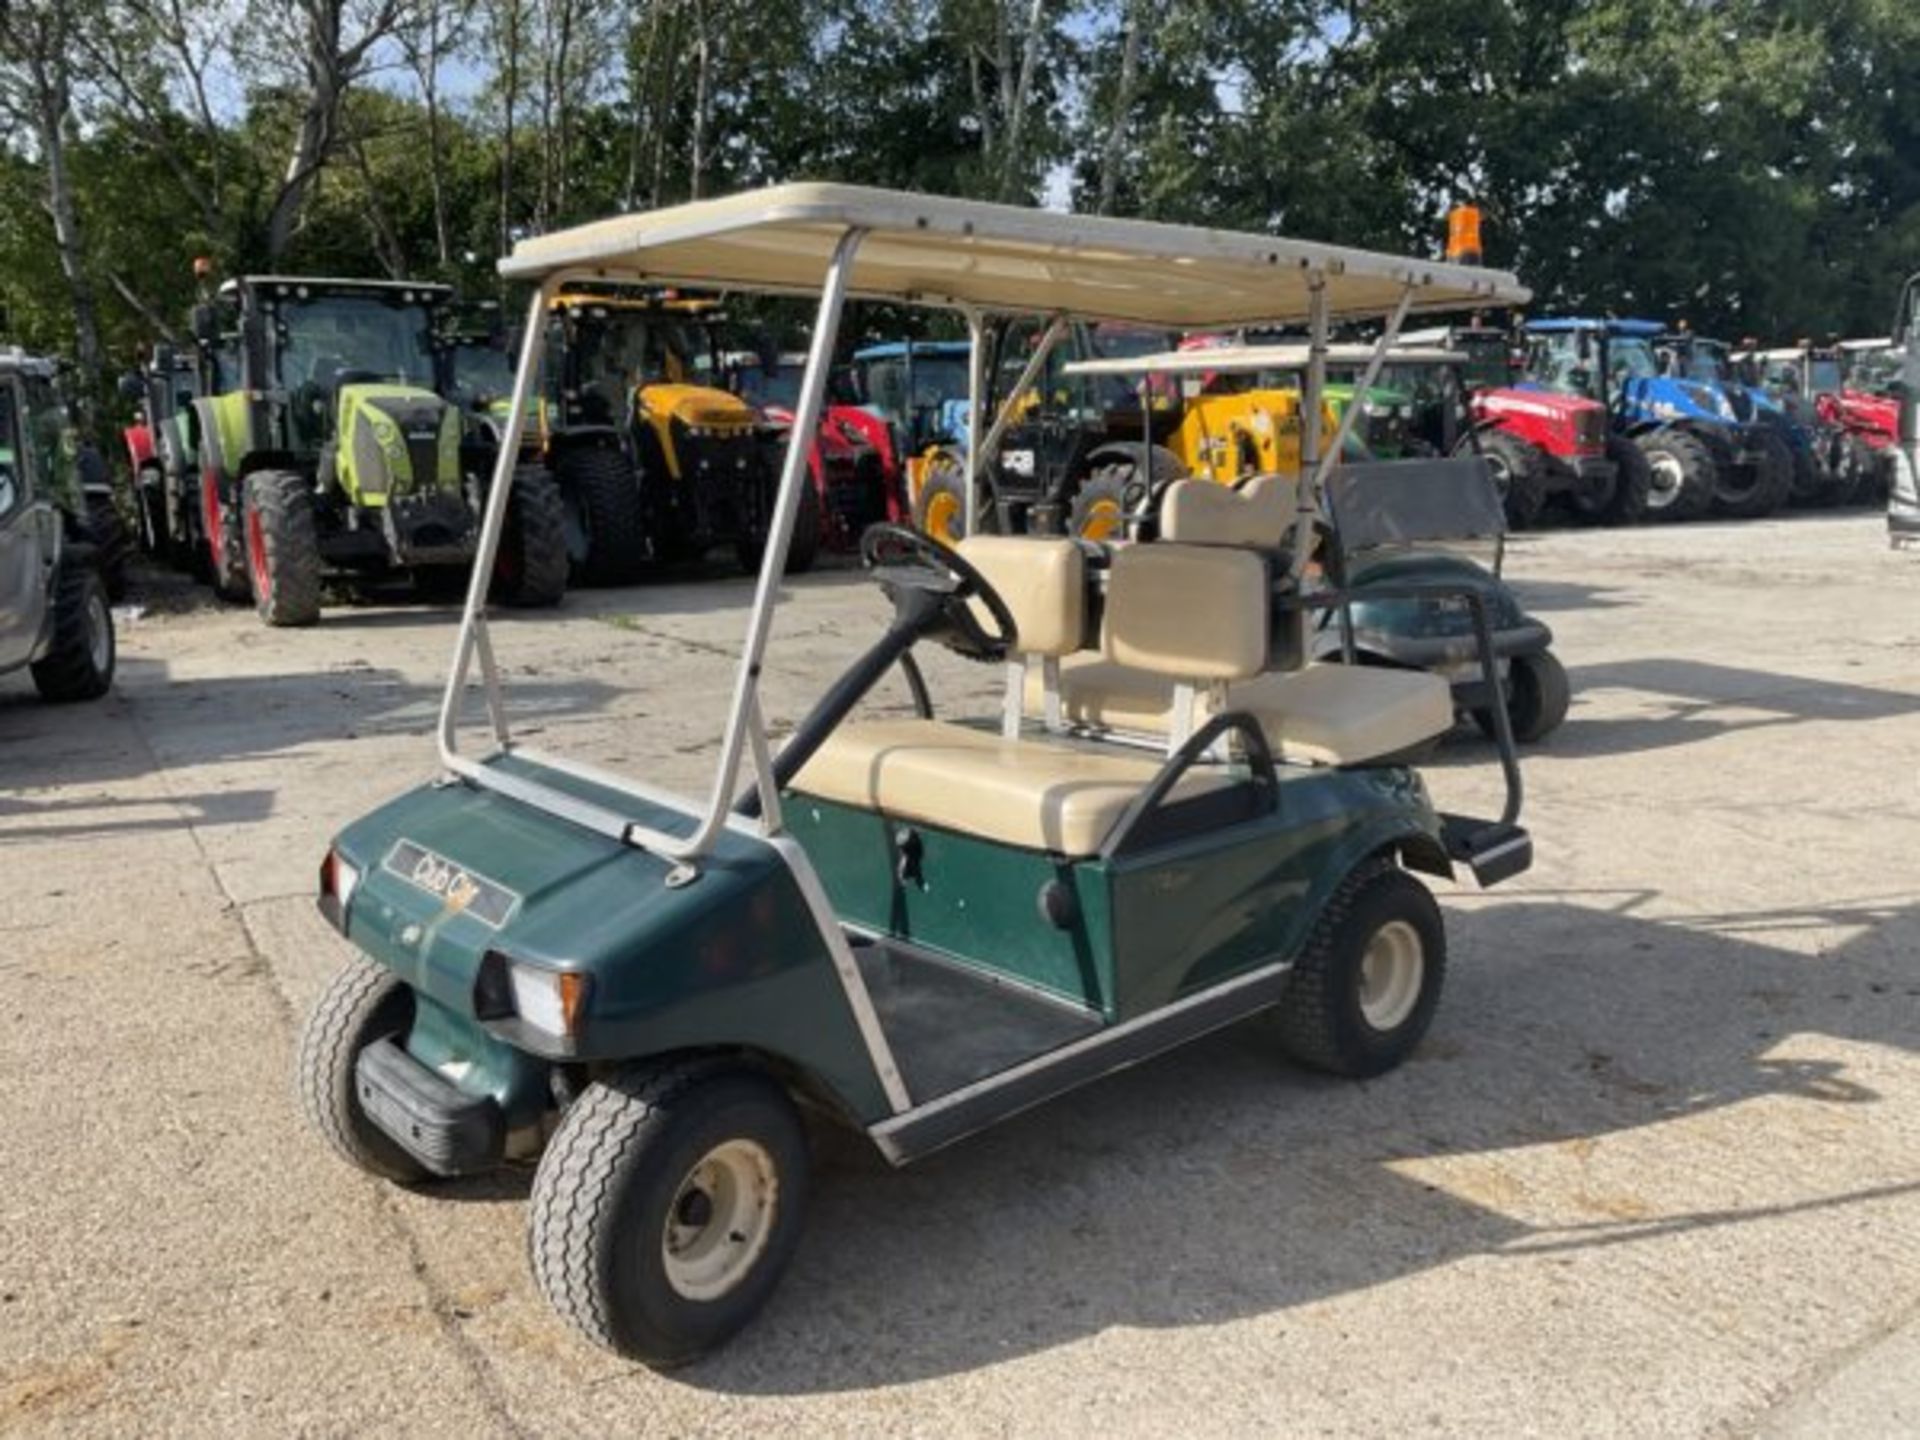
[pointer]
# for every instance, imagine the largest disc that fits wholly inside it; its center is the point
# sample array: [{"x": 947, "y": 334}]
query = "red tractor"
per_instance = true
[
  {"x": 1868, "y": 413},
  {"x": 850, "y": 470},
  {"x": 1541, "y": 444}
]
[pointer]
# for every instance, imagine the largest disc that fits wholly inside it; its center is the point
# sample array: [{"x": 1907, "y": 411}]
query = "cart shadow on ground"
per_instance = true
[{"x": 1217, "y": 1183}]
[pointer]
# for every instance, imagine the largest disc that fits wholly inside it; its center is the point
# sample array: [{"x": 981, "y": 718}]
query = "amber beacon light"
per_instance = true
[{"x": 1463, "y": 234}]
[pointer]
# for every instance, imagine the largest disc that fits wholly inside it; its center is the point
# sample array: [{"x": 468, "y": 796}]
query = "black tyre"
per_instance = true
[
  {"x": 363, "y": 1004},
  {"x": 1748, "y": 492},
  {"x": 941, "y": 503},
  {"x": 605, "y": 526},
  {"x": 113, "y": 544},
  {"x": 802, "y": 550},
  {"x": 530, "y": 569},
  {"x": 79, "y": 661},
  {"x": 283, "y": 548},
  {"x": 1683, "y": 474},
  {"x": 222, "y": 528},
  {"x": 1104, "y": 501},
  {"x": 1538, "y": 698},
  {"x": 666, "y": 1207},
  {"x": 1811, "y": 483},
  {"x": 1626, "y": 503},
  {"x": 1519, "y": 474},
  {"x": 1368, "y": 980}
]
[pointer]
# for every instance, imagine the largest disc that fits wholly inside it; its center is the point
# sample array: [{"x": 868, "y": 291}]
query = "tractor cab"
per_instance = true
[
  {"x": 162, "y": 445},
  {"x": 914, "y": 925}
]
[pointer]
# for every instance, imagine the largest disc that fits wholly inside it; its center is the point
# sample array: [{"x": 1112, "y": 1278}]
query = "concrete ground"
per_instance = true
[{"x": 1656, "y": 1171}]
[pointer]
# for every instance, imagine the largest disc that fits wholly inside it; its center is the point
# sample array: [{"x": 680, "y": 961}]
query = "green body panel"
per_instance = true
[
  {"x": 733, "y": 959},
  {"x": 1425, "y": 618},
  {"x": 366, "y": 405},
  {"x": 226, "y": 431},
  {"x": 180, "y": 428},
  {"x": 1151, "y": 927},
  {"x": 1375, "y": 425},
  {"x": 974, "y": 898}
]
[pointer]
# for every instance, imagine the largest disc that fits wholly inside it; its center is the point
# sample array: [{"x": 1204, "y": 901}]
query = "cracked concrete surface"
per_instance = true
[{"x": 1656, "y": 1170}]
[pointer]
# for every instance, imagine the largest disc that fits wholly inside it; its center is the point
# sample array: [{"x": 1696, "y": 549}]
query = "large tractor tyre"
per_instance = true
[
  {"x": 1366, "y": 985},
  {"x": 113, "y": 546},
  {"x": 1683, "y": 474},
  {"x": 941, "y": 503},
  {"x": 1812, "y": 485},
  {"x": 226, "y": 545},
  {"x": 283, "y": 548},
  {"x": 1763, "y": 489},
  {"x": 1106, "y": 499},
  {"x": 606, "y": 529},
  {"x": 1519, "y": 474},
  {"x": 363, "y": 1005},
  {"x": 78, "y": 664},
  {"x": 1538, "y": 698},
  {"x": 804, "y": 546},
  {"x": 530, "y": 568},
  {"x": 667, "y": 1205}
]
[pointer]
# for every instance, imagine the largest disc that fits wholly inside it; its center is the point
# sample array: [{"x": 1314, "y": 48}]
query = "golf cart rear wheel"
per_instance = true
[
  {"x": 78, "y": 664},
  {"x": 1368, "y": 981},
  {"x": 1519, "y": 474},
  {"x": 667, "y": 1205},
  {"x": 363, "y": 1004},
  {"x": 530, "y": 569},
  {"x": 1684, "y": 474},
  {"x": 605, "y": 525},
  {"x": 1538, "y": 697},
  {"x": 283, "y": 548}
]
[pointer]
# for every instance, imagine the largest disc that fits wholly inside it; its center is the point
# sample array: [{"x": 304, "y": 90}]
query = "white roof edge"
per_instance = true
[
  {"x": 931, "y": 249},
  {"x": 1229, "y": 359}
]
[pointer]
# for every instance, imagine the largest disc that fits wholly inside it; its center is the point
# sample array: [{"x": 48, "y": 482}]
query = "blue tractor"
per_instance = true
[
  {"x": 1703, "y": 456},
  {"x": 1687, "y": 356}
]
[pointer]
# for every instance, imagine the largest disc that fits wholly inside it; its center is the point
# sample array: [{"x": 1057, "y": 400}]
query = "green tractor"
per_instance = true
[{"x": 330, "y": 452}]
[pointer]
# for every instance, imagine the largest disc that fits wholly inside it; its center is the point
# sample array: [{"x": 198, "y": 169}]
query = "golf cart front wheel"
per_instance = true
[
  {"x": 363, "y": 1005},
  {"x": 666, "y": 1207},
  {"x": 1538, "y": 697},
  {"x": 1368, "y": 981}
]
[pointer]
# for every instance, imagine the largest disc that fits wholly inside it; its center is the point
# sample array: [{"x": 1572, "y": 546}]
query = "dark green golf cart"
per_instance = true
[{"x": 913, "y": 927}]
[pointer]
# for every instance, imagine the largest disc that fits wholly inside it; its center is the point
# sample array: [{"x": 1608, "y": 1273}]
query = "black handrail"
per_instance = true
[{"x": 1259, "y": 758}]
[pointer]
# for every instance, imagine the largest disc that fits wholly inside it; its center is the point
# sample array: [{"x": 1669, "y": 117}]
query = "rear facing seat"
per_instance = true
[{"x": 1322, "y": 714}]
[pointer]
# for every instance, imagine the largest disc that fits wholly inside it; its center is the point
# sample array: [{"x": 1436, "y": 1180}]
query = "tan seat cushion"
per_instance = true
[
  {"x": 1189, "y": 612},
  {"x": 1040, "y": 794},
  {"x": 1043, "y": 584},
  {"x": 1322, "y": 715},
  {"x": 1256, "y": 514}
]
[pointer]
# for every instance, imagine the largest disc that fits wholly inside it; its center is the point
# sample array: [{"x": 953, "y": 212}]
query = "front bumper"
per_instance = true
[
  {"x": 447, "y": 1130},
  {"x": 1453, "y": 655},
  {"x": 432, "y": 529}
]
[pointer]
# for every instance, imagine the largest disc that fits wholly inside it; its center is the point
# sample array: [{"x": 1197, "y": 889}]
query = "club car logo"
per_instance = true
[{"x": 458, "y": 889}]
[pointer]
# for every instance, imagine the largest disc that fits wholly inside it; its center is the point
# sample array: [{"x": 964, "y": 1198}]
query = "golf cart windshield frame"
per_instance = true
[{"x": 981, "y": 260}]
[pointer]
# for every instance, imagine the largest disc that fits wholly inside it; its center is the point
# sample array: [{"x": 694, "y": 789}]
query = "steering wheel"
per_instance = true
[{"x": 933, "y": 588}]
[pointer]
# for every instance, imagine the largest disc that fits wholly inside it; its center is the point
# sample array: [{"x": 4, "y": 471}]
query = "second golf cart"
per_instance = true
[{"x": 919, "y": 926}]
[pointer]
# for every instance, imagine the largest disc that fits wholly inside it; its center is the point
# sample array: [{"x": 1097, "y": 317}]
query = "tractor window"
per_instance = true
[
  {"x": 1631, "y": 357},
  {"x": 1704, "y": 360},
  {"x": 1487, "y": 366},
  {"x": 761, "y": 387},
  {"x": 1823, "y": 376},
  {"x": 327, "y": 339},
  {"x": 12, "y": 490},
  {"x": 482, "y": 373},
  {"x": 1554, "y": 361},
  {"x": 53, "y": 443}
]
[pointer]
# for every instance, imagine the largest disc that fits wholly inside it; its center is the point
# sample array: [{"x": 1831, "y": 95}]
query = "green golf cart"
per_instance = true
[{"x": 913, "y": 927}]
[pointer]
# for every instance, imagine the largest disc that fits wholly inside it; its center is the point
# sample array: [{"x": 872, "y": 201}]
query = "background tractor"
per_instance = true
[
  {"x": 163, "y": 457},
  {"x": 332, "y": 451},
  {"x": 910, "y": 401},
  {"x": 1803, "y": 381},
  {"x": 657, "y": 462},
  {"x": 1542, "y": 446},
  {"x": 1868, "y": 411},
  {"x": 1695, "y": 447},
  {"x": 850, "y": 477},
  {"x": 1754, "y": 491}
]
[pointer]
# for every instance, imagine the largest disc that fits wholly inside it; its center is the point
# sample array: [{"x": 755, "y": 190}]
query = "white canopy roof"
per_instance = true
[
  {"x": 1232, "y": 359},
  {"x": 933, "y": 249}
]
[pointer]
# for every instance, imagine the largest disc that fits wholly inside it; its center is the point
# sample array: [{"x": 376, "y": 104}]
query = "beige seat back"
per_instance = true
[
  {"x": 1043, "y": 581},
  {"x": 1195, "y": 615},
  {"x": 1255, "y": 514}
]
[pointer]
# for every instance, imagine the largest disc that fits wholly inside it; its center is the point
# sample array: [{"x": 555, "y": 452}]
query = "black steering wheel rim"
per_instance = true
[{"x": 903, "y": 559}]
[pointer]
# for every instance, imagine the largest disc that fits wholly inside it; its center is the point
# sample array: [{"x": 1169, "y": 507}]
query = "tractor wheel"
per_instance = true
[
  {"x": 1538, "y": 697},
  {"x": 78, "y": 664},
  {"x": 942, "y": 501},
  {"x": 1765, "y": 490},
  {"x": 530, "y": 569},
  {"x": 605, "y": 524},
  {"x": 1519, "y": 474},
  {"x": 1368, "y": 980},
  {"x": 283, "y": 548},
  {"x": 803, "y": 548},
  {"x": 362, "y": 1005},
  {"x": 667, "y": 1205},
  {"x": 226, "y": 545},
  {"x": 1684, "y": 474},
  {"x": 1811, "y": 483},
  {"x": 1872, "y": 472},
  {"x": 114, "y": 546},
  {"x": 1104, "y": 501}
]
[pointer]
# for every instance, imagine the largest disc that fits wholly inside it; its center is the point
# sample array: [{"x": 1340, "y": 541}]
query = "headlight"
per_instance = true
[
  {"x": 338, "y": 881},
  {"x": 552, "y": 1001}
]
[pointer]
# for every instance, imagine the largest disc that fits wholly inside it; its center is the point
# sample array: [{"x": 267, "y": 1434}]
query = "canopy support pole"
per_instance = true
[{"x": 976, "y": 416}]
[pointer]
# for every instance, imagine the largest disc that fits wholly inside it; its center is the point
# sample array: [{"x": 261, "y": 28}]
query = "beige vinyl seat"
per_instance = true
[
  {"x": 1036, "y": 791},
  {"x": 1320, "y": 714}
]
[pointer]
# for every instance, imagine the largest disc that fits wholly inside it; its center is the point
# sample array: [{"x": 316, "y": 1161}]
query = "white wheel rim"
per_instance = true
[
  {"x": 99, "y": 633},
  {"x": 721, "y": 1220},
  {"x": 1391, "y": 973},
  {"x": 1668, "y": 478}
]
